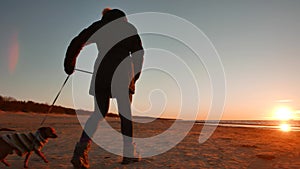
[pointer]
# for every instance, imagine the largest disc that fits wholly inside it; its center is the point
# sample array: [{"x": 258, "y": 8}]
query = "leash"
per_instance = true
[
  {"x": 84, "y": 71},
  {"x": 49, "y": 110},
  {"x": 63, "y": 85},
  {"x": 51, "y": 107}
]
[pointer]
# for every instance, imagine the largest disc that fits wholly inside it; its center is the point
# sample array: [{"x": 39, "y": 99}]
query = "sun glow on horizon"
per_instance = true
[{"x": 283, "y": 114}]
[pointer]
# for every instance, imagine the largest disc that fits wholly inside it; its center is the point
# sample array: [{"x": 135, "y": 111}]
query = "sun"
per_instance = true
[{"x": 283, "y": 113}]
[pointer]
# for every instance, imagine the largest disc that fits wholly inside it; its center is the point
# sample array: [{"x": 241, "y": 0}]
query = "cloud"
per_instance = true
[{"x": 284, "y": 101}]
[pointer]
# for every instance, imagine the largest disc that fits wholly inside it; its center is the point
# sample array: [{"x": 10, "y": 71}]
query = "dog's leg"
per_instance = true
[
  {"x": 5, "y": 149},
  {"x": 27, "y": 159},
  {"x": 5, "y": 163},
  {"x": 39, "y": 153}
]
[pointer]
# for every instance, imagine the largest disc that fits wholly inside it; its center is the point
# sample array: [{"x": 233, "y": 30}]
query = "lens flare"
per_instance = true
[{"x": 13, "y": 52}]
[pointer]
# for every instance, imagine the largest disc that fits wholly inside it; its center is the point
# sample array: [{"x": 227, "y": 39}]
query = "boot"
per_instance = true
[
  {"x": 80, "y": 155},
  {"x": 130, "y": 154}
]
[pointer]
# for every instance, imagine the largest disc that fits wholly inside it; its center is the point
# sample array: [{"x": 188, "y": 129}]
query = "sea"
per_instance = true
[{"x": 290, "y": 125}]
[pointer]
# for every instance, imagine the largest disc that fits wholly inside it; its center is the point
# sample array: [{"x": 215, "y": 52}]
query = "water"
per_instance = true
[{"x": 291, "y": 125}]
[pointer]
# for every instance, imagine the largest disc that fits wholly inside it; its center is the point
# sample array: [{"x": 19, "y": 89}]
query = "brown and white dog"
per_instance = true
[{"x": 25, "y": 144}]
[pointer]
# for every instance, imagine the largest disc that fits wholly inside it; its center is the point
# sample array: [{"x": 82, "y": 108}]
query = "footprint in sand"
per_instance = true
[
  {"x": 266, "y": 156},
  {"x": 249, "y": 146}
]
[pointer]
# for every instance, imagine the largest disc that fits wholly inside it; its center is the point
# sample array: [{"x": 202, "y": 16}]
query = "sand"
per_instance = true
[{"x": 227, "y": 148}]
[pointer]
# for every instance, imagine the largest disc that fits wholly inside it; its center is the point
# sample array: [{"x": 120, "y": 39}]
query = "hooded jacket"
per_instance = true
[{"x": 120, "y": 56}]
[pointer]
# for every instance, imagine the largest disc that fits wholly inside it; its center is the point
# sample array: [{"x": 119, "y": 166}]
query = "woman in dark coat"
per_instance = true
[{"x": 116, "y": 70}]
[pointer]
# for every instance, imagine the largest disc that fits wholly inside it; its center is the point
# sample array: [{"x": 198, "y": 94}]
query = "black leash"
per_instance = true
[
  {"x": 49, "y": 110},
  {"x": 51, "y": 107},
  {"x": 84, "y": 71}
]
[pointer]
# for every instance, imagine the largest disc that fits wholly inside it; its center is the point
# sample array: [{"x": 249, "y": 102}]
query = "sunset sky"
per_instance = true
[{"x": 258, "y": 43}]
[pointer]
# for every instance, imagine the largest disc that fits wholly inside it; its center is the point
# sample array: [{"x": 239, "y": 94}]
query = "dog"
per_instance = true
[{"x": 25, "y": 144}]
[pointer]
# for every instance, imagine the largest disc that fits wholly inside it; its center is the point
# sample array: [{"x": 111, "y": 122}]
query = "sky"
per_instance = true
[{"x": 257, "y": 42}]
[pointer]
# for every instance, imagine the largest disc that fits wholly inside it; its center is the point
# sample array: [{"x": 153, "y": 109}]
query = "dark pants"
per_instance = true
[{"x": 102, "y": 100}]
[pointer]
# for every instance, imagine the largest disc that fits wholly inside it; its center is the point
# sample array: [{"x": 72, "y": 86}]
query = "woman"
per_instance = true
[{"x": 116, "y": 70}]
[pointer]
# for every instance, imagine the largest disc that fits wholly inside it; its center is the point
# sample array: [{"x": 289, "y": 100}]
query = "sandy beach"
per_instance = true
[{"x": 227, "y": 148}]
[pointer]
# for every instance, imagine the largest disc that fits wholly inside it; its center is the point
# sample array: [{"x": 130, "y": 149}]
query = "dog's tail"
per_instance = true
[{"x": 6, "y": 129}]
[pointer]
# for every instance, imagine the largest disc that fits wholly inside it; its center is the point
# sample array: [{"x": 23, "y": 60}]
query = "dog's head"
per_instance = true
[{"x": 47, "y": 132}]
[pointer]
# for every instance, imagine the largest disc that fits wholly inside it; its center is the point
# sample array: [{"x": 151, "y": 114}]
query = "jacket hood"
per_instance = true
[{"x": 113, "y": 15}]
